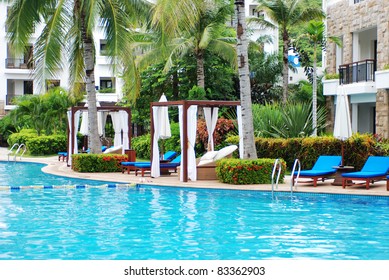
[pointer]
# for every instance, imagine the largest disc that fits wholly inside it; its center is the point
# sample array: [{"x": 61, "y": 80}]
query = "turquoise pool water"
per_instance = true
[
  {"x": 148, "y": 222},
  {"x": 30, "y": 174}
]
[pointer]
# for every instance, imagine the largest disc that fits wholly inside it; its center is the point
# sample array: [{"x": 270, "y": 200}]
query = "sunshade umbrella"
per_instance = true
[{"x": 342, "y": 127}]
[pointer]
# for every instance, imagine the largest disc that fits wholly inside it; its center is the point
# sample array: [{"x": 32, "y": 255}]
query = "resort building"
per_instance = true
[
  {"x": 363, "y": 27},
  {"x": 16, "y": 77}
]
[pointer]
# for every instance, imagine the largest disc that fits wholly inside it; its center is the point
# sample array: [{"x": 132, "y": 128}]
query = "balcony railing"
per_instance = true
[
  {"x": 360, "y": 71},
  {"x": 18, "y": 63}
]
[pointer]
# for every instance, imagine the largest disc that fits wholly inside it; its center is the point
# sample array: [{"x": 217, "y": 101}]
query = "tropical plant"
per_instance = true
[
  {"x": 249, "y": 150},
  {"x": 286, "y": 120},
  {"x": 68, "y": 27},
  {"x": 205, "y": 34},
  {"x": 265, "y": 72},
  {"x": 286, "y": 14},
  {"x": 315, "y": 33},
  {"x": 45, "y": 113}
]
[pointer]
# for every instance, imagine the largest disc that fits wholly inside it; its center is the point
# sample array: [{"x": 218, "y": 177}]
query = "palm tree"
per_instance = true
[
  {"x": 249, "y": 151},
  {"x": 68, "y": 28},
  {"x": 315, "y": 33},
  {"x": 285, "y": 14},
  {"x": 204, "y": 31}
]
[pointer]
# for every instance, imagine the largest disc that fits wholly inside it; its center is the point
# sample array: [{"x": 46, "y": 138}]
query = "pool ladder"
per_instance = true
[
  {"x": 293, "y": 181},
  {"x": 18, "y": 150},
  {"x": 274, "y": 185},
  {"x": 278, "y": 166}
]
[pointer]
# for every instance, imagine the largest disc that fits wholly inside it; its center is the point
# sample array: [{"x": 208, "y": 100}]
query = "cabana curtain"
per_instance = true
[
  {"x": 192, "y": 128},
  {"x": 155, "y": 167},
  {"x": 76, "y": 124},
  {"x": 240, "y": 129},
  {"x": 211, "y": 116}
]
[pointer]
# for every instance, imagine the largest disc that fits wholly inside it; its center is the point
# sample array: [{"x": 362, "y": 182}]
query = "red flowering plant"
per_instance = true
[
  {"x": 224, "y": 127},
  {"x": 98, "y": 162},
  {"x": 245, "y": 172}
]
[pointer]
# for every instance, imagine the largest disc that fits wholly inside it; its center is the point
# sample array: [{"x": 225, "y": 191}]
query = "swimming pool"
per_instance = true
[
  {"x": 17, "y": 174},
  {"x": 148, "y": 222}
]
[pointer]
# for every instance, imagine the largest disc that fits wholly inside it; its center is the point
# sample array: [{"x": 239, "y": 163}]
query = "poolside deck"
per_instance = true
[{"x": 60, "y": 168}]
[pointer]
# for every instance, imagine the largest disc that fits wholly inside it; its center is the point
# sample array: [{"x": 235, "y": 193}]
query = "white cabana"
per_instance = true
[
  {"x": 188, "y": 123},
  {"x": 211, "y": 116},
  {"x": 124, "y": 121}
]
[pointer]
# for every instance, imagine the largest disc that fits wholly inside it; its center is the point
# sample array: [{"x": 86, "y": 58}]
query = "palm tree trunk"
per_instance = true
[
  {"x": 200, "y": 71},
  {"x": 89, "y": 63},
  {"x": 285, "y": 68},
  {"x": 249, "y": 151},
  {"x": 314, "y": 92}
]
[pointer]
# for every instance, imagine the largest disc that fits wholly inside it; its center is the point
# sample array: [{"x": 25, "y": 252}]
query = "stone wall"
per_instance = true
[{"x": 343, "y": 19}]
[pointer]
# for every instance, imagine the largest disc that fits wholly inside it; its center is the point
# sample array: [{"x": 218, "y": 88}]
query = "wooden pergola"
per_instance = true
[
  {"x": 104, "y": 109},
  {"x": 186, "y": 104}
]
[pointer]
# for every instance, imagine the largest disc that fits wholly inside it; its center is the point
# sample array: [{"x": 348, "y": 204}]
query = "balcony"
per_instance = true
[
  {"x": 18, "y": 63},
  {"x": 360, "y": 71}
]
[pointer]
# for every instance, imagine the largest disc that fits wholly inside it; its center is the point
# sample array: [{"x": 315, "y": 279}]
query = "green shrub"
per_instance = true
[
  {"x": 97, "y": 162},
  {"x": 21, "y": 137},
  {"x": 47, "y": 145},
  {"x": 331, "y": 76},
  {"x": 142, "y": 146},
  {"x": 244, "y": 172}
]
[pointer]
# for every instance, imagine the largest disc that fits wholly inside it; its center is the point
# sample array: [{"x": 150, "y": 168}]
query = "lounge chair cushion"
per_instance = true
[
  {"x": 114, "y": 150},
  {"x": 323, "y": 166},
  {"x": 363, "y": 175},
  {"x": 316, "y": 172},
  {"x": 222, "y": 153}
]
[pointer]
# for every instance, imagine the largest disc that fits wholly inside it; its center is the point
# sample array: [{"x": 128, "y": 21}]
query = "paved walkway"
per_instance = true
[{"x": 60, "y": 168}]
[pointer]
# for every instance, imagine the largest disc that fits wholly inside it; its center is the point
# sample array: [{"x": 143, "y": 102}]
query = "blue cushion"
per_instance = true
[
  {"x": 316, "y": 172},
  {"x": 376, "y": 164},
  {"x": 323, "y": 166},
  {"x": 128, "y": 163},
  {"x": 362, "y": 174}
]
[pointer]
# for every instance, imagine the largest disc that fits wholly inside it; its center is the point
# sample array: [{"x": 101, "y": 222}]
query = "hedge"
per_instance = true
[
  {"x": 356, "y": 149},
  {"x": 97, "y": 162},
  {"x": 244, "y": 172}
]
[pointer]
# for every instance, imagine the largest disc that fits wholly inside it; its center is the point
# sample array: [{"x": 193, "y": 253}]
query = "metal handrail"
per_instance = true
[
  {"x": 277, "y": 165},
  {"x": 17, "y": 151},
  {"x": 10, "y": 150},
  {"x": 19, "y": 147},
  {"x": 295, "y": 179}
]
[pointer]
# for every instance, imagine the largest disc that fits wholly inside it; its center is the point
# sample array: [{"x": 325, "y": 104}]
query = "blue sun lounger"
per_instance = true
[
  {"x": 168, "y": 166},
  {"x": 322, "y": 169},
  {"x": 375, "y": 169},
  {"x": 129, "y": 165}
]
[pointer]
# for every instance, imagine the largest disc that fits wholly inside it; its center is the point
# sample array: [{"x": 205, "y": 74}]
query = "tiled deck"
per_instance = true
[{"x": 60, "y": 168}]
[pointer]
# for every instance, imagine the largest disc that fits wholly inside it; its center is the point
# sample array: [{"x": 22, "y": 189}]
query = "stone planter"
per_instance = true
[
  {"x": 330, "y": 87},
  {"x": 382, "y": 79}
]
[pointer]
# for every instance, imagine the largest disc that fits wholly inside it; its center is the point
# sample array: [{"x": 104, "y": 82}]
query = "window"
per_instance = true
[
  {"x": 28, "y": 87},
  {"x": 52, "y": 84},
  {"x": 103, "y": 47},
  {"x": 107, "y": 85}
]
